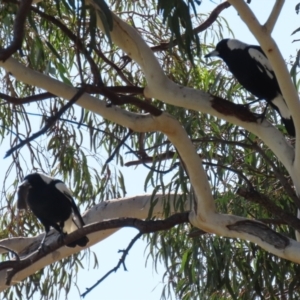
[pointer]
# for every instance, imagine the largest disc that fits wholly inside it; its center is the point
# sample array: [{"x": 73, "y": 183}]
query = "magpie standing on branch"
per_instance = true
[
  {"x": 252, "y": 69},
  {"x": 51, "y": 202}
]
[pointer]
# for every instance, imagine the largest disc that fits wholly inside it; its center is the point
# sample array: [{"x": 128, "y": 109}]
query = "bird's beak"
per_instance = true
[
  {"x": 213, "y": 53},
  {"x": 22, "y": 195}
]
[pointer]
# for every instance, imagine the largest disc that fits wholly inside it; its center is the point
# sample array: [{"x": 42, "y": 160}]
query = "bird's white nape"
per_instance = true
[
  {"x": 64, "y": 190},
  {"x": 236, "y": 44},
  {"x": 262, "y": 60},
  {"x": 47, "y": 179}
]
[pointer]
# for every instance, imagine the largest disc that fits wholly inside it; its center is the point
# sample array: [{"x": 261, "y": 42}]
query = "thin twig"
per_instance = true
[
  {"x": 29, "y": 99},
  {"x": 273, "y": 17},
  {"x": 279, "y": 175},
  {"x": 121, "y": 143},
  {"x": 115, "y": 269},
  {"x": 271, "y": 207},
  {"x": 203, "y": 26},
  {"x": 150, "y": 159},
  {"x": 19, "y": 26},
  {"x": 50, "y": 122},
  {"x": 239, "y": 173},
  {"x": 84, "y": 50},
  {"x": 12, "y": 251}
]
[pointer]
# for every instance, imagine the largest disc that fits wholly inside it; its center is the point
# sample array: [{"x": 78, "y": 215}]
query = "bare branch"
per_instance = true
[
  {"x": 50, "y": 122},
  {"x": 273, "y": 17},
  {"x": 254, "y": 196},
  {"x": 142, "y": 226},
  {"x": 121, "y": 143},
  {"x": 19, "y": 27},
  {"x": 134, "y": 207},
  {"x": 150, "y": 159},
  {"x": 12, "y": 251},
  {"x": 19, "y": 101},
  {"x": 262, "y": 231},
  {"x": 115, "y": 269},
  {"x": 203, "y": 26},
  {"x": 76, "y": 40}
]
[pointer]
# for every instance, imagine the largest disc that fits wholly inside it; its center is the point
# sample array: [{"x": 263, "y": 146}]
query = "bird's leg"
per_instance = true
[
  {"x": 47, "y": 225},
  {"x": 61, "y": 237},
  {"x": 254, "y": 101},
  {"x": 59, "y": 228},
  {"x": 262, "y": 116}
]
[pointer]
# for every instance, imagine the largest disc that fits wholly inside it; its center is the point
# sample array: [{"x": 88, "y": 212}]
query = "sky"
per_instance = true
[{"x": 141, "y": 281}]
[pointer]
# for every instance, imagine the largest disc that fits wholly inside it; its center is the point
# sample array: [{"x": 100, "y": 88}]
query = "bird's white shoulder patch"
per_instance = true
[
  {"x": 47, "y": 179},
  {"x": 262, "y": 60},
  {"x": 64, "y": 190},
  {"x": 236, "y": 44}
]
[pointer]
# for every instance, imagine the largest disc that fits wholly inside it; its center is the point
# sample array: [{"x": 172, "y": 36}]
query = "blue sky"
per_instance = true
[{"x": 141, "y": 282}]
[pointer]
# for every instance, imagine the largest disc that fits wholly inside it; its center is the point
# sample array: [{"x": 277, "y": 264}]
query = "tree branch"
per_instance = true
[
  {"x": 143, "y": 226},
  {"x": 75, "y": 39},
  {"x": 150, "y": 159},
  {"x": 50, "y": 122},
  {"x": 203, "y": 26},
  {"x": 121, "y": 143},
  {"x": 254, "y": 196},
  {"x": 163, "y": 89},
  {"x": 18, "y": 34},
  {"x": 270, "y": 24},
  {"x": 12, "y": 251},
  {"x": 115, "y": 269},
  {"x": 133, "y": 207},
  {"x": 29, "y": 99},
  {"x": 262, "y": 231}
]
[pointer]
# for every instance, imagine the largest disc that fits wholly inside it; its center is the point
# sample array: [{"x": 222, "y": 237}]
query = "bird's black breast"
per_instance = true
[
  {"x": 251, "y": 74},
  {"x": 48, "y": 203}
]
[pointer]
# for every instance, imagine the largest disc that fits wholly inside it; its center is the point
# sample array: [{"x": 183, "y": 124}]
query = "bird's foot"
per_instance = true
[
  {"x": 247, "y": 105},
  {"x": 262, "y": 116},
  {"x": 43, "y": 248},
  {"x": 61, "y": 237}
]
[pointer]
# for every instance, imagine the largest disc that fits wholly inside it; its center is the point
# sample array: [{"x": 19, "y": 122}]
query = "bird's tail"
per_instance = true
[
  {"x": 289, "y": 126},
  {"x": 69, "y": 226},
  {"x": 81, "y": 242},
  {"x": 280, "y": 106}
]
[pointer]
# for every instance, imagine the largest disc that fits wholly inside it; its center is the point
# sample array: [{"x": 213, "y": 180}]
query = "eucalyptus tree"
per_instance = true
[{"x": 90, "y": 85}]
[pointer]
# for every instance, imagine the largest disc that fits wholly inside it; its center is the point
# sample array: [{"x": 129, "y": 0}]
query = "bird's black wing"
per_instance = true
[
  {"x": 272, "y": 92},
  {"x": 76, "y": 218},
  {"x": 64, "y": 190}
]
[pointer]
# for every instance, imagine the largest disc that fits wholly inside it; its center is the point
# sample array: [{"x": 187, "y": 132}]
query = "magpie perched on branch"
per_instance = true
[
  {"x": 51, "y": 202},
  {"x": 252, "y": 69}
]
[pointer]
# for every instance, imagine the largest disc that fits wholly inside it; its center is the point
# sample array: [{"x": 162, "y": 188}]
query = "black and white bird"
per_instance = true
[
  {"x": 252, "y": 69},
  {"x": 51, "y": 202}
]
